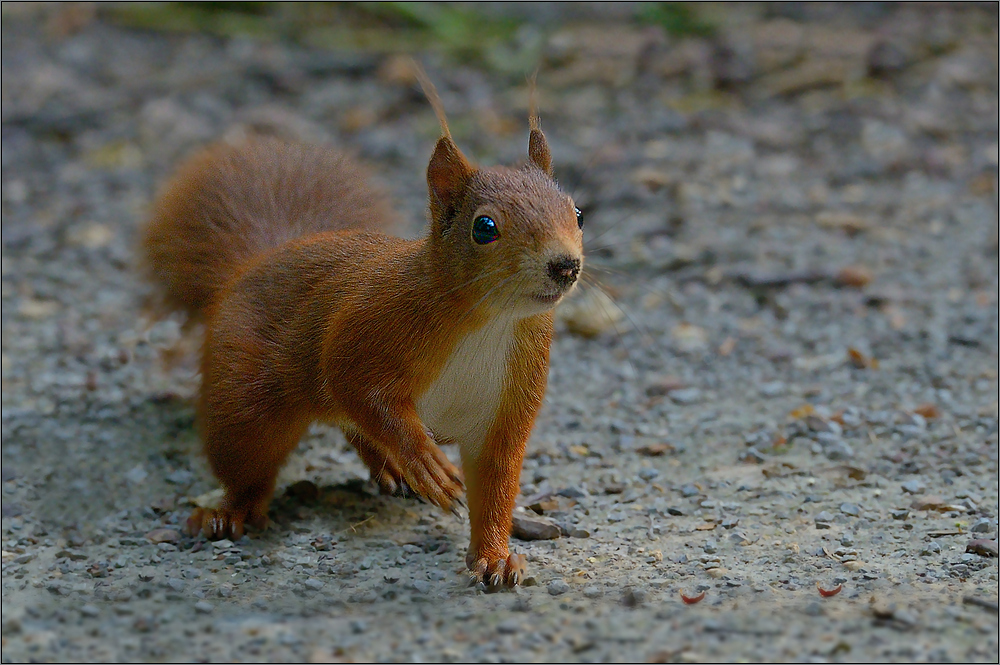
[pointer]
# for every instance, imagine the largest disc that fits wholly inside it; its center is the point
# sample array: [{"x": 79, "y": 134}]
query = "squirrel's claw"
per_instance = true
[{"x": 500, "y": 572}]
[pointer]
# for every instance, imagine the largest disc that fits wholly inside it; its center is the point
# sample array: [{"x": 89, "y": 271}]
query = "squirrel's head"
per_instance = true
[{"x": 509, "y": 236}]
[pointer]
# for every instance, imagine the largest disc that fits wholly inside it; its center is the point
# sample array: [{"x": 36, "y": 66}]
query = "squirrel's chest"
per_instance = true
[{"x": 463, "y": 401}]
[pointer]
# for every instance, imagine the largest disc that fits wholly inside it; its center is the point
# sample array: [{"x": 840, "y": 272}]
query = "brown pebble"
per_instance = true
[
  {"x": 157, "y": 536},
  {"x": 928, "y": 411},
  {"x": 857, "y": 277},
  {"x": 664, "y": 385},
  {"x": 304, "y": 490},
  {"x": 982, "y": 547},
  {"x": 532, "y": 528}
]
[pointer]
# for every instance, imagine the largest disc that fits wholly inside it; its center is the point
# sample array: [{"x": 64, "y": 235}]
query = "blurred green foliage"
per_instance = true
[
  {"x": 677, "y": 18},
  {"x": 401, "y": 25}
]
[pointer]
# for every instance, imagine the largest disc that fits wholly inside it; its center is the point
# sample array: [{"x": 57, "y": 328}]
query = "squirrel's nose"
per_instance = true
[{"x": 564, "y": 271}]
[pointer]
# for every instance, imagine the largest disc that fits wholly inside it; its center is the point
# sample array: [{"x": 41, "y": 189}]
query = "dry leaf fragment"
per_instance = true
[
  {"x": 802, "y": 412},
  {"x": 928, "y": 411},
  {"x": 937, "y": 504},
  {"x": 691, "y": 600},
  {"x": 655, "y": 449},
  {"x": 857, "y": 277},
  {"x": 727, "y": 346},
  {"x": 843, "y": 221},
  {"x": 827, "y": 593},
  {"x": 860, "y": 360},
  {"x": 664, "y": 385}
]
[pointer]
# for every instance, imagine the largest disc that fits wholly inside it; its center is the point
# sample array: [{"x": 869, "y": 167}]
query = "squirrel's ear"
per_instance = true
[
  {"x": 447, "y": 175},
  {"x": 538, "y": 151}
]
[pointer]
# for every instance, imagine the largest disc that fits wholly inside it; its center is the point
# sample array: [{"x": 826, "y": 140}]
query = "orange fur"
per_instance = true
[{"x": 311, "y": 314}]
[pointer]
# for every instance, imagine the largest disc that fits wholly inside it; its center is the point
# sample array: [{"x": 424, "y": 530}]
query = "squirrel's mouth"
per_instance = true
[{"x": 548, "y": 298}]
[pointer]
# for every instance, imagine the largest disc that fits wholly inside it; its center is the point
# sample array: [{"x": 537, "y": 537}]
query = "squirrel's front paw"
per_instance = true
[
  {"x": 497, "y": 572},
  {"x": 426, "y": 473},
  {"x": 219, "y": 523}
]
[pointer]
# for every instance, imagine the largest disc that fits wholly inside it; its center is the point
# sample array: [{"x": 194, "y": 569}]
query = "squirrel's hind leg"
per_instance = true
[{"x": 246, "y": 459}]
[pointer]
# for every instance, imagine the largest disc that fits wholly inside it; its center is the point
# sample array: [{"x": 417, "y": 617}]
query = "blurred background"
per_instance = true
[{"x": 781, "y": 369}]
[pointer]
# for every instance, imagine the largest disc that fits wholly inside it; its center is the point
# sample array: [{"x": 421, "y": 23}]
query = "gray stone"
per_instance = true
[
  {"x": 557, "y": 587},
  {"x": 690, "y": 490},
  {"x": 851, "y": 509},
  {"x": 773, "y": 389},
  {"x": 836, "y": 448},
  {"x": 984, "y": 525},
  {"x": 203, "y": 607},
  {"x": 913, "y": 486},
  {"x": 685, "y": 395},
  {"x": 648, "y": 473},
  {"x": 136, "y": 475}
]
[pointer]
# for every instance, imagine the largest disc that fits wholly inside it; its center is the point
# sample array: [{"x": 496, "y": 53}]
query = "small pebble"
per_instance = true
[
  {"x": 557, "y": 587},
  {"x": 633, "y": 596},
  {"x": 685, "y": 395},
  {"x": 900, "y": 514},
  {"x": 180, "y": 477},
  {"x": 593, "y": 591},
  {"x": 509, "y": 627},
  {"x": 773, "y": 389},
  {"x": 313, "y": 583},
  {"x": 533, "y": 528},
  {"x": 913, "y": 486},
  {"x": 982, "y": 526},
  {"x": 824, "y": 516},
  {"x": 930, "y": 548},
  {"x": 203, "y": 607},
  {"x": 158, "y": 536},
  {"x": 850, "y": 509},
  {"x": 982, "y": 547},
  {"x": 89, "y": 610},
  {"x": 837, "y": 449},
  {"x": 690, "y": 490},
  {"x": 710, "y": 547},
  {"x": 136, "y": 475},
  {"x": 176, "y": 584},
  {"x": 648, "y": 473}
]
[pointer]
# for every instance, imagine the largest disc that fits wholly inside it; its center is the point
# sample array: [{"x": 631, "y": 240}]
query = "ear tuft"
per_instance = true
[{"x": 538, "y": 148}]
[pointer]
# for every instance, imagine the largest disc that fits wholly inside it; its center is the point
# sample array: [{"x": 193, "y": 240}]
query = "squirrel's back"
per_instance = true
[{"x": 231, "y": 203}]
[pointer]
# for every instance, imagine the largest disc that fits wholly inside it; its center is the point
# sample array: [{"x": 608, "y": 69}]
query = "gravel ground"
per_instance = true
[{"x": 788, "y": 382}]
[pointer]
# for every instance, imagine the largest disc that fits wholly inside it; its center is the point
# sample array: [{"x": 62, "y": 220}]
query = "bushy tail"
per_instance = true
[{"x": 228, "y": 204}]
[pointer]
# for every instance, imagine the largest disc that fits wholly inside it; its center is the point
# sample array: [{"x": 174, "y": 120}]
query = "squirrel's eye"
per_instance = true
[
  {"x": 484, "y": 230},
  {"x": 579, "y": 217}
]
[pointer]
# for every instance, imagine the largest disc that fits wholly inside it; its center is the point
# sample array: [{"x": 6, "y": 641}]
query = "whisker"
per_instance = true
[{"x": 613, "y": 226}]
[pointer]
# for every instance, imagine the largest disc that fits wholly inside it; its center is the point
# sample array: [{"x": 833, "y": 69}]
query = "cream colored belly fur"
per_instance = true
[{"x": 461, "y": 404}]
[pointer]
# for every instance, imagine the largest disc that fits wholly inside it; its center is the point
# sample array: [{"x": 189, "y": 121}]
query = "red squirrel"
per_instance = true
[{"x": 312, "y": 314}]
